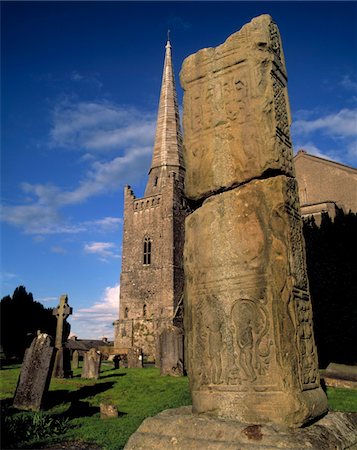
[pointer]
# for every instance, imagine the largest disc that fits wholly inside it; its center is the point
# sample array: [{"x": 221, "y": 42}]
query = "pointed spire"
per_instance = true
[{"x": 168, "y": 140}]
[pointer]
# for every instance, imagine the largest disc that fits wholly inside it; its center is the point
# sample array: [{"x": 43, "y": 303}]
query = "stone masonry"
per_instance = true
[
  {"x": 250, "y": 349},
  {"x": 251, "y": 354},
  {"x": 151, "y": 282}
]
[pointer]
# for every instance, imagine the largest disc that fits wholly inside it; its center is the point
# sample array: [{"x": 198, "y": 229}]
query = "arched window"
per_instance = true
[
  {"x": 126, "y": 312},
  {"x": 144, "y": 311},
  {"x": 147, "y": 251}
]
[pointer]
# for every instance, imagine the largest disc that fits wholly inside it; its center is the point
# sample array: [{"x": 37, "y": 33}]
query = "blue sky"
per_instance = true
[{"x": 79, "y": 94}]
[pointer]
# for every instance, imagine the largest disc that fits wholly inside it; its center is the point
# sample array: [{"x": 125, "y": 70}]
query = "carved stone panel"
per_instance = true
[
  {"x": 248, "y": 324},
  {"x": 236, "y": 112}
]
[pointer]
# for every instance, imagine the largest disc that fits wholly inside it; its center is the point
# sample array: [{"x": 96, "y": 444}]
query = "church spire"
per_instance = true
[{"x": 167, "y": 155}]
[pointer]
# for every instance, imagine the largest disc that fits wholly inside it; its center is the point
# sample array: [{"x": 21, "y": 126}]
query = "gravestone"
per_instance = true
[
  {"x": 108, "y": 411},
  {"x": 62, "y": 367},
  {"x": 75, "y": 359},
  {"x": 35, "y": 374},
  {"x": 91, "y": 364},
  {"x": 171, "y": 355},
  {"x": 135, "y": 358},
  {"x": 116, "y": 361}
]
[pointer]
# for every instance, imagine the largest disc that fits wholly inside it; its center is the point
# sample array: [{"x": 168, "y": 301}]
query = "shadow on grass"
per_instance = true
[
  {"x": 113, "y": 375},
  {"x": 78, "y": 408}
]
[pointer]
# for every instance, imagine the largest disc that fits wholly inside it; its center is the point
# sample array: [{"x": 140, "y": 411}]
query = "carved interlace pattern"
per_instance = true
[
  {"x": 298, "y": 262},
  {"x": 274, "y": 39},
  {"x": 281, "y": 113},
  {"x": 306, "y": 344}
]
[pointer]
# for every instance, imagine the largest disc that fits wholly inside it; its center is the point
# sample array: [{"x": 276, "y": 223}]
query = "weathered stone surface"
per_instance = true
[
  {"x": 116, "y": 361},
  {"x": 236, "y": 111},
  {"x": 35, "y": 374},
  {"x": 251, "y": 354},
  {"x": 171, "y": 355},
  {"x": 75, "y": 360},
  {"x": 340, "y": 375},
  {"x": 179, "y": 429},
  {"x": 342, "y": 371},
  {"x": 62, "y": 312},
  {"x": 135, "y": 358},
  {"x": 62, "y": 365},
  {"x": 108, "y": 411},
  {"x": 91, "y": 364}
]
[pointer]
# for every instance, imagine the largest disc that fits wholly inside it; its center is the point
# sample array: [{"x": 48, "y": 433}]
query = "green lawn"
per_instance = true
[
  {"x": 137, "y": 393},
  {"x": 72, "y": 412}
]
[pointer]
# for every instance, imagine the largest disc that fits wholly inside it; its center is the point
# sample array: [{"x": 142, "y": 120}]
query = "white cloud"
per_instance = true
[
  {"x": 40, "y": 214},
  {"x": 96, "y": 321},
  {"x": 89, "y": 127},
  {"x": 312, "y": 149},
  {"x": 103, "y": 249},
  {"x": 348, "y": 83},
  {"x": 47, "y": 300},
  {"x": 107, "y": 222},
  {"x": 341, "y": 124},
  {"x": 100, "y": 126}
]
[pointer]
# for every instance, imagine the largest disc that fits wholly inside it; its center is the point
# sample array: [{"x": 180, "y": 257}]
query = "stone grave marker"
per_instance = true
[
  {"x": 116, "y": 361},
  {"x": 62, "y": 367},
  {"x": 135, "y": 358},
  {"x": 108, "y": 411},
  {"x": 171, "y": 355},
  {"x": 91, "y": 364},
  {"x": 75, "y": 359},
  {"x": 35, "y": 374}
]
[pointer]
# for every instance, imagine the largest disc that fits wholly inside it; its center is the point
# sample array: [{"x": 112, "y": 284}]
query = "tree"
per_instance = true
[{"x": 21, "y": 317}]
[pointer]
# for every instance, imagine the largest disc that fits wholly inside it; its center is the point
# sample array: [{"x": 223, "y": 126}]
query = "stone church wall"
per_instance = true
[{"x": 150, "y": 292}]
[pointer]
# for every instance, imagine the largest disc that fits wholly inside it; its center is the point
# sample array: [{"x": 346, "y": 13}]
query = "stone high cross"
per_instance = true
[{"x": 62, "y": 311}]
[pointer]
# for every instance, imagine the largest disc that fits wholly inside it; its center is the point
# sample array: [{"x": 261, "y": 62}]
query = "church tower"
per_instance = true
[{"x": 151, "y": 281}]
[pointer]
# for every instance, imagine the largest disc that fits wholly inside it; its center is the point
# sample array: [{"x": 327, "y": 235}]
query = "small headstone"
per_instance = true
[
  {"x": 135, "y": 358},
  {"x": 75, "y": 360},
  {"x": 91, "y": 364},
  {"x": 171, "y": 352},
  {"x": 108, "y": 411},
  {"x": 62, "y": 367},
  {"x": 342, "y": 371},
  {"x": 116, "y": 360},
  {"x": 35, "y": 374}
]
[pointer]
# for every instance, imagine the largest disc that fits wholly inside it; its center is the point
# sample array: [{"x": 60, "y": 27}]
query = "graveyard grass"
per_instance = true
[{"x": 138, "y": 393}]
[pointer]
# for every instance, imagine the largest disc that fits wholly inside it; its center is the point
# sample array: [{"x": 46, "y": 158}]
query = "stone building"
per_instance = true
[
  {"x": 151, "y": 282},
  {"x": 324, "y": 185}
]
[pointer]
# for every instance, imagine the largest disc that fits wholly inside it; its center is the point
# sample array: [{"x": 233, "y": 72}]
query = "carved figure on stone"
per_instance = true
[
  {"x": 211, "y": 339},
  {"x": 249, "y": 326}
]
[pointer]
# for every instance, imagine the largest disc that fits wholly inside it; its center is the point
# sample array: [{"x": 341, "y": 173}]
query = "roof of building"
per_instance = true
[
  {"x": 86, "y": 344},
  {"x": 303, "y": 154},
  {"x": 168, "y": 138}
]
